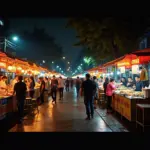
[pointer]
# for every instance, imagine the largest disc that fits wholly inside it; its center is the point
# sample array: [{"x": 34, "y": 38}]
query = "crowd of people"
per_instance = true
[{"x": 88, "y": 87}]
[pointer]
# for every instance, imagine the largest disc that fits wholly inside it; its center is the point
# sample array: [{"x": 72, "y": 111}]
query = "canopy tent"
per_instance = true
[
  {"x": 111, "y": 63},
  {"x": 143, "y": 52},
  {"x": 20, "y": 66}
]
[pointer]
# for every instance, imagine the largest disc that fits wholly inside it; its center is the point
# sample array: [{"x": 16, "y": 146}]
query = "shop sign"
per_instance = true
[
  {"x": 135, "y": 61},
  {"x": 2, "y": 65},
  {"x": 135, "y": 69},
  {"x": 122, "y": 69},
  {"x": 123, "y": 64}
]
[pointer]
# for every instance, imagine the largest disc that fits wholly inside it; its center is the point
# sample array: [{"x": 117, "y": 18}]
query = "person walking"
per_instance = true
[
  {"x": 42, "y": 89},
  {"x": 61, "y": 87},
  {"x": 96, "y": 93},
  {"x": 105, "y": 87},
  {"x": 20, "y": 90},
  {"x": 46, "y": 84},
  {"x": 89, "y": 89},
  {"x": 78, "y": 84},
  {"x": 109, "y": 92},
  {"x": 31, "y": 86},
  {"x": 67, "y": 85},
  {"x": 71, "y": 83},
  {"x": 54, "y": 86}
]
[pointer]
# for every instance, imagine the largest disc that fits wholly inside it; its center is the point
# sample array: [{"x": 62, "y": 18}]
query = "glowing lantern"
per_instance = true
[
  {"x": 19, "y": 68},
  {"x": 10, "y": 68},
  {"x": 2, "y": 65},
  {"x": 22, "y": 71}
]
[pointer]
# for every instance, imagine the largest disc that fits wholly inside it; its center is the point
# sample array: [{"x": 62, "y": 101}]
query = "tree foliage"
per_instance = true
[{"x": 108, "y": 37}]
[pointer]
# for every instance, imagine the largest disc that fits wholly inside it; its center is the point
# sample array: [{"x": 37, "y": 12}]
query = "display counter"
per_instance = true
[
  {"x": 126, "y": 105},
  {"x": 8, "y": 104}
]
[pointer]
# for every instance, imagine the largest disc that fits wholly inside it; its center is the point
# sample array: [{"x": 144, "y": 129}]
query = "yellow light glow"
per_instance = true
[
  {"x": 123, "y": 64},
  {"x": 135, "y": 61},
  {"x": 19, "y": 68},
  {"x": 10, "y": 67}
]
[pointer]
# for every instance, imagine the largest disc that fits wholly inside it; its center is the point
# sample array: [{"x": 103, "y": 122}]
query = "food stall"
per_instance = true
[
  {"x": 124, "y": 102},
  {"x": 125, "y": 99},
  {"x": 10, "y": 66},
  {"x": 6, "y": 98}
]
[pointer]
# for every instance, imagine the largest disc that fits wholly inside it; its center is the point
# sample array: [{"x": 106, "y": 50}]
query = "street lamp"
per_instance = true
[
  {"x": 1, "y": 23},
  {"x": 68, "y": 62},
  {"x": 43, "y": 61},
  {"x": 52, "y": 62},
  {"x": 64, "y": 57},
  {"x": 15, "y": 38},
  {"x": 57, "y": 66}
]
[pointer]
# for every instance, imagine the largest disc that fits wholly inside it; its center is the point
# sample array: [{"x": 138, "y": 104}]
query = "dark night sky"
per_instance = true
[{"x": 55, "y": 27}]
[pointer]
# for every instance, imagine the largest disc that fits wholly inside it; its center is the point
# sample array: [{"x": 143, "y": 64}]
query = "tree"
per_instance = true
[{"x": 108, "y": 38}]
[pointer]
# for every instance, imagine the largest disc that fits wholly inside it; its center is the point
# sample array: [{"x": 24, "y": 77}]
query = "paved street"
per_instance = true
[{"x": 66, "y": 116}]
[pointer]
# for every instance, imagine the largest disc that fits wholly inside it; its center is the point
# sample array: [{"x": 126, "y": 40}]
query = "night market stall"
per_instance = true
[
  {"x": 9, "y": 67},
  {"x": 125, "y": 98}
]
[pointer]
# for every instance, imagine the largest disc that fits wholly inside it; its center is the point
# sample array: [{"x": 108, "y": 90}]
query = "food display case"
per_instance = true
[{"x": 124, "y": 102}]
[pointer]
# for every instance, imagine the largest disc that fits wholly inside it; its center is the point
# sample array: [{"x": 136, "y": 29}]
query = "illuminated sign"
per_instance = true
[
  {"x": 11, "y": 68},
  {"x": 122, "y": 69},
  {"x": 135, "y": 69},
  {"x": 2, "y": 65},
  {"x": 123, "y": 64},
  {"x": 135, "y": 61}
]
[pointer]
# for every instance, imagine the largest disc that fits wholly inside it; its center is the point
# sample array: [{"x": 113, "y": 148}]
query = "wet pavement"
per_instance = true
[{"x": 68, "y": 115}]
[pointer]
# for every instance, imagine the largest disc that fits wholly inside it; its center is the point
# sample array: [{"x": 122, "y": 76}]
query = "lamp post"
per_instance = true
[{"x": 14, "y": 38}]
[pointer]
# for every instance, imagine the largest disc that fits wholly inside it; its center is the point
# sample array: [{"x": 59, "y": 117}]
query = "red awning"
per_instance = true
[
  {"x": 114, "y": 61},
  {"x": 3, "y": 54},
  {"x": 143, "y": 52}
]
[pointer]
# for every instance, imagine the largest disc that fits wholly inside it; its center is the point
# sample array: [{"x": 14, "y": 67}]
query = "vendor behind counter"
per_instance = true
[
  {"x": 138, "y": 84},
  {"x": 3, "y": 85},
  {"x": 130, "y": 82}
]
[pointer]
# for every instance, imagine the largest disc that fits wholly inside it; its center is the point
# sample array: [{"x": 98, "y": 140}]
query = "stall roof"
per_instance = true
[
  {"x": 2, "y": 54},
  {"x": 114, "y": 61},
  {"x": 143, "y": 52}
]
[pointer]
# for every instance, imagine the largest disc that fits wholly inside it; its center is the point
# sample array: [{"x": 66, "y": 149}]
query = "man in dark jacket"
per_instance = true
[
  {"x": 42, "y": 89},
  {"x": 54, "y": 86},
  {"x": 78, "y": 84},
  {"x": 20, "y": 90},
  {"x": 67, "y": 85},
  {"x": 96, "y": 94},
  {"x": 89, "y": 89}
]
